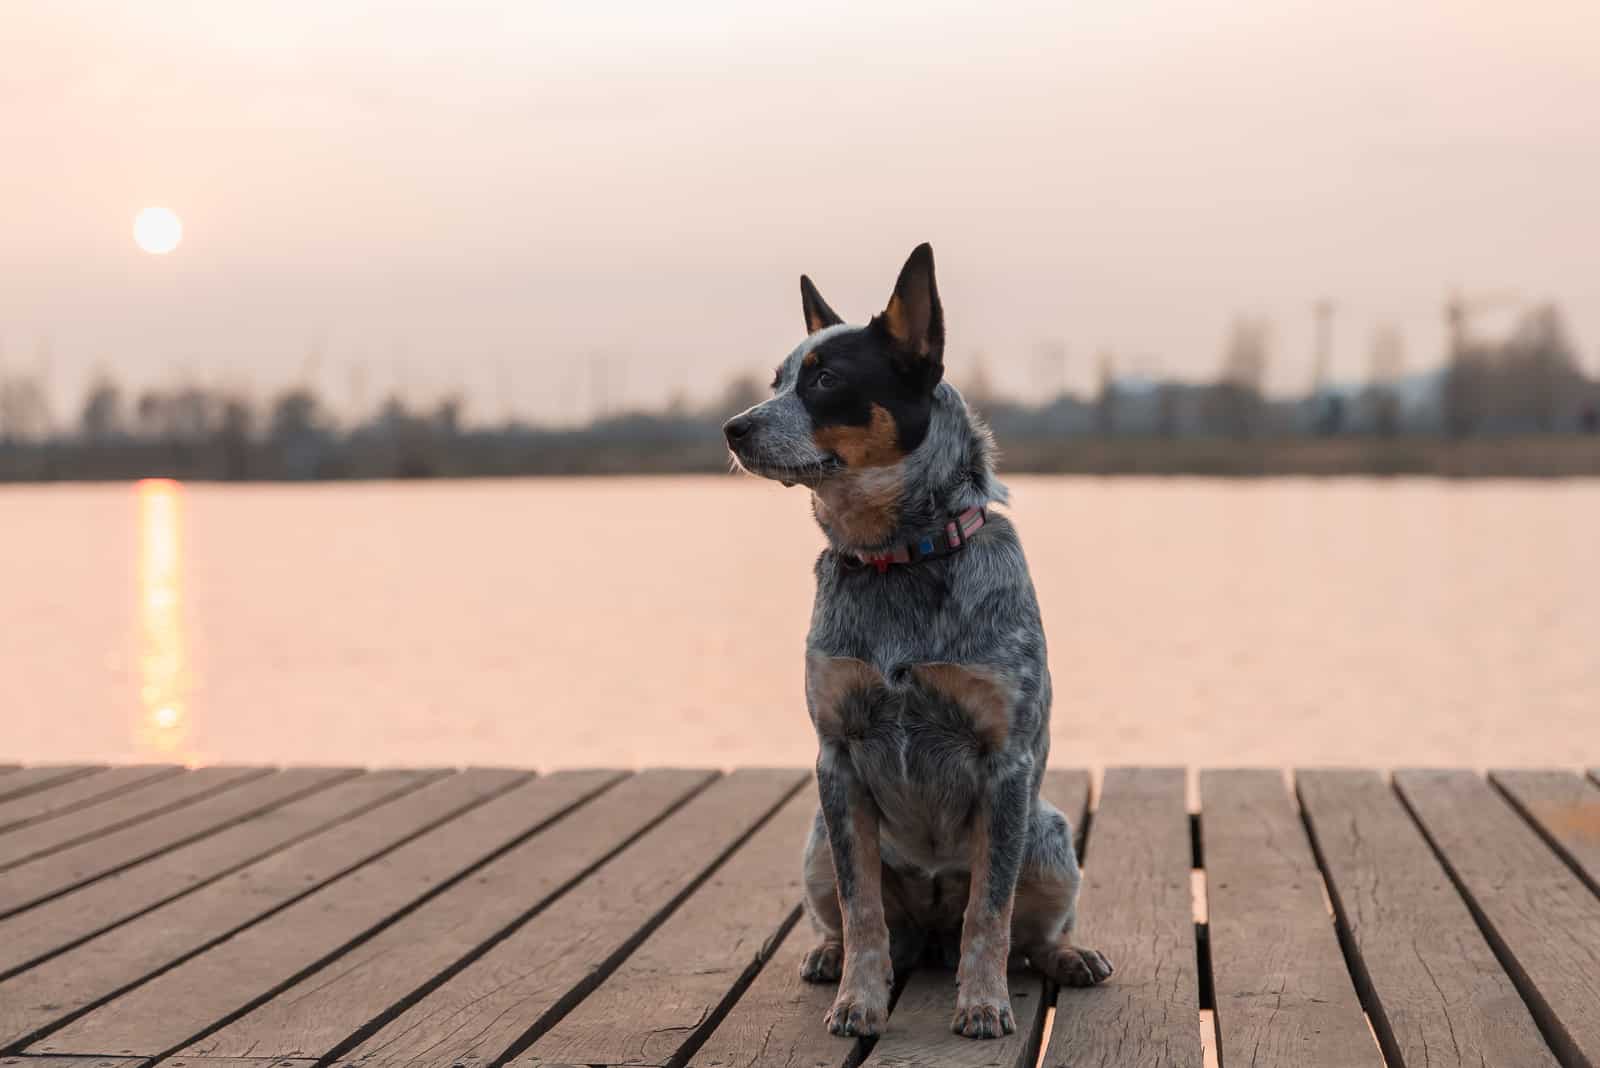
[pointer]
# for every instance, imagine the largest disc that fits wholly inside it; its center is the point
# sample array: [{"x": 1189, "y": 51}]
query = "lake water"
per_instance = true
[{"x": 633, "y": 621}]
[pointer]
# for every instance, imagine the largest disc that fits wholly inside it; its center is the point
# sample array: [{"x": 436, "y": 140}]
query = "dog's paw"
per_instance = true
[
  {"x": 824, "y": 963},
  {"x": 858, "y": 1013},
  {"x": 983, "y": 1018},
  {"x": 1073, "y": 966}
]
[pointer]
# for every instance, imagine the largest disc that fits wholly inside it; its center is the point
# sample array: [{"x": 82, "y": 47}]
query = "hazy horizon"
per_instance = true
[{"x": 492, "y": 198}]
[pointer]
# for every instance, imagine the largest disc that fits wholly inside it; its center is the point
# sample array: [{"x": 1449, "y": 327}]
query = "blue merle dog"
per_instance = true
[{"x": 925, "y": 674}]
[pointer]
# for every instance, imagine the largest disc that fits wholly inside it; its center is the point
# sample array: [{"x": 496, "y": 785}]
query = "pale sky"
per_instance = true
[{"x": 491, "y": 196}]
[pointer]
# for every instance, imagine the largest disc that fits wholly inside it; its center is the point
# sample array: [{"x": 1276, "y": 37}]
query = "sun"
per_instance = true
[{"x": 157, "y": 231}]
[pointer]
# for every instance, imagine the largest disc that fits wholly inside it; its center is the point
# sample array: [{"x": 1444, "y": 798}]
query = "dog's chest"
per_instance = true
[{"x": 922, "y": 762}]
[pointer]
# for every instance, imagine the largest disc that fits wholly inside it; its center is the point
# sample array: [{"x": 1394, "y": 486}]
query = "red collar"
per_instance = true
[{"x": 956, "y": 532}]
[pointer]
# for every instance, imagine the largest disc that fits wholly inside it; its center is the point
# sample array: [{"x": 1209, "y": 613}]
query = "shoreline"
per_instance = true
[{"x": 1535, "y": 457}]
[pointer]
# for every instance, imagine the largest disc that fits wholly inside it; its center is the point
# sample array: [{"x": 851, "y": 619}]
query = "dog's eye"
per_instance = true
[{"x": 825, "y": 379}]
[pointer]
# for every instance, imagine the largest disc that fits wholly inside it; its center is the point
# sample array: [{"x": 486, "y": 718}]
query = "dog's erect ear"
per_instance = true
[
  {"x": 914, "y": 319},
  {"x": 818, "y": 315}
]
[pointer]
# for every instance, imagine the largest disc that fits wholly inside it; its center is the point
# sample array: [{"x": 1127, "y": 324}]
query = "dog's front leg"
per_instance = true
[
  {"x": 851, "y": 815},
  {"x": 999, "y": 840}
]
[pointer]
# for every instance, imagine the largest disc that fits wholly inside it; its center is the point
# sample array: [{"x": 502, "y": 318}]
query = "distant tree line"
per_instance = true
[
  {"x": 1528, "y": 385},
  {"x": 192, "y": 432}
]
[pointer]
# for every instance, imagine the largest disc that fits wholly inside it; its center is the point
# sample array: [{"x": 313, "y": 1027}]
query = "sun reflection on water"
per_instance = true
[{"x": 163, "y": 662}]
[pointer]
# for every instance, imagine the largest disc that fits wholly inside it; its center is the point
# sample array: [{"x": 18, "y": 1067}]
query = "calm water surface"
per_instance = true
[{"x": 621, "y": 622}]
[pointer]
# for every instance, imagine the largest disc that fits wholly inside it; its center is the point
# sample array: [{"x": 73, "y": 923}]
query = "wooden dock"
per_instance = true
[{"x": 237, "y": 917}]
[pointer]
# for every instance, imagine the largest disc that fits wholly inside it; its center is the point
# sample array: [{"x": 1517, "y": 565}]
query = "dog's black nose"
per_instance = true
[{"x": 738, "y": 427}]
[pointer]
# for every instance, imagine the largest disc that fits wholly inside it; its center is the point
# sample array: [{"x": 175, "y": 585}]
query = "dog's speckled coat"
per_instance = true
[{"x": 927, "y": 683}]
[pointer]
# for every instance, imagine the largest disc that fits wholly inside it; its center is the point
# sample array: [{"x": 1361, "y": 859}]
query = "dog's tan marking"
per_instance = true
[
  {"x": 873, "y": 445},
  {"x": 986, "y": 697},
  {"x": 983, "y": 999},
  {"x": 830, "y": 681},
  {"x": 861, "y": 508},
  {"x": 898, "y": 322},
  {"x": 810, "y": 358},
  {"x": 862, "y": 1005}
]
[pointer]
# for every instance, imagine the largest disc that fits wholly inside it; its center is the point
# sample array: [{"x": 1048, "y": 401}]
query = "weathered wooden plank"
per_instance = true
[
  {"x": 919, "y": 1030},
  {"x": 1435, "y": 993},
  {"x": 1136, "y": 909},
  {"x": 321, "y": 801},
  {"x": 527, "y": 982},
  {"x": 43, "y": 777},
  {"x": 183, "y": 1004},
  {"x": 238, "y": 1062},
  {"x": 1543, "y": 923},
  {"x": 146, "y": 801},
  {"x": 669, "y": 994},
  {"x": 69, "y": 1062},
  {"x": 1068, "y": 790},
  {"x": 77, "y": 793},
  {"x": 398, "y": 964},
  {"x": 1284, "y": 997},
  {"x": 74, "y": 866},
  {"x": 778, "y": 1021},
  {"x": 1565, "y": 809},
  {"x": 66, "y": 985}
]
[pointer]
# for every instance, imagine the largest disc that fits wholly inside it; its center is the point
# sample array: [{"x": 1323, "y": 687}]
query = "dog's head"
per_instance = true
[{"x": 850, "y": 399}]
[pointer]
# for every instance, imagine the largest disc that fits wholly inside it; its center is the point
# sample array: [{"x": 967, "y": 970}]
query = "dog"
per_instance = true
[{"x": 925, "y": 675}]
